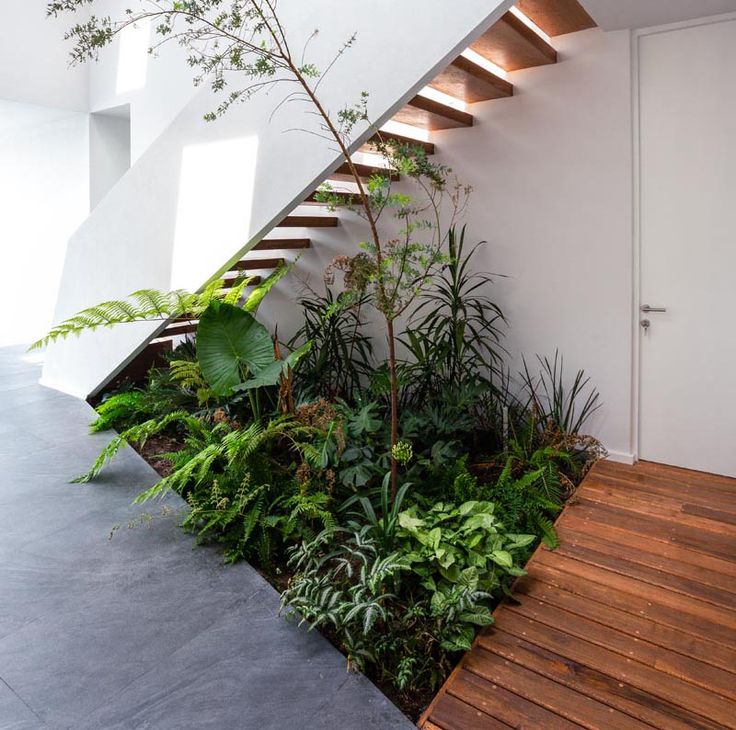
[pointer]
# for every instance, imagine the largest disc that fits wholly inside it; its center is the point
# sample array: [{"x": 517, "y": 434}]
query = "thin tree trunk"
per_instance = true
[{"x": 394, "y": 404}]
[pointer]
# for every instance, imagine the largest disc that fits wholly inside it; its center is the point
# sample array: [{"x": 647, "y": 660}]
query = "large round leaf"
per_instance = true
[{"x": 230, "y": 341}]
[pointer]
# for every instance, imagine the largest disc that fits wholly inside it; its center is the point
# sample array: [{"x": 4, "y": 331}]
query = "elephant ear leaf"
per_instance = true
[
  {"x": 229, "y": 341},
  {"x": 271, "y": 373}
]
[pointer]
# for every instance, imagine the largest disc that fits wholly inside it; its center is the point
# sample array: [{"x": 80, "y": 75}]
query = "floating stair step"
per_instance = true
[
  {"x": 344, "y": 198},
  {"x": 282, "y": 244},
  {"x": 470, "y": 82},
  {"x": 179, "y": 329},
  {"x": 432, "y": 115},
  {"x": 257, "y": 264},
  {"x": 513, "y": 45},
  {"x": 557, "y": 17},
  {"x": 229, "y": 281},
  {"x": 428, "y": 147},
  {"x": 309, "y": 221},
  {"x": 365, "y": 171}
]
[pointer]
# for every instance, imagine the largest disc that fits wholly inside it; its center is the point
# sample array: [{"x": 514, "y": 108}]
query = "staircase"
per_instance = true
[
  {"x": 516, "y": 38},
  {"x": 478, "y": 75}
]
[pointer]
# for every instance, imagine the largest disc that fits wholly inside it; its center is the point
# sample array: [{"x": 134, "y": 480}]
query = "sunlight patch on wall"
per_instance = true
[
  {"x": 216, "y": 187},
  {"x": 133, "y": 57}
]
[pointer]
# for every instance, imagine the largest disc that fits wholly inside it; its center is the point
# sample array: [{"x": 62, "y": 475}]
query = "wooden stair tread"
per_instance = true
[
  {"x": 557, "y": 17},
  {"x": 343, "y": 172},
  {"x": 470, "y": 82},
  {"x": 369, "y": 146},
  {"x": 343, "y": 198},
  {"x": 432, "y": 115},
  {"x": 178, "y": 329},
  {"x": 282, "y": 244},
  {"x": 230, "y": 280},
  {"x": 309, "y": 221},
  {"x": 513, "y": 45},
  {"x": 257, "y": 264}
]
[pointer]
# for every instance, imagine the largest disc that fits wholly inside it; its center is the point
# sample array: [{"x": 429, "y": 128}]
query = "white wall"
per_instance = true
[
  {"x": 43, "y": 198},
  {"x": 552, "y": 175},
  {"x": 156, "y": 88},
  {"x": 34, "y": 58},
  {"x": 623, "y": 14},
  {"x": 109, "y": 151}
]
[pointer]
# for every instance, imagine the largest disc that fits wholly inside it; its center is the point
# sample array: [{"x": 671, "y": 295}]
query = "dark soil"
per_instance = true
[{"x": 153, "y": 449}]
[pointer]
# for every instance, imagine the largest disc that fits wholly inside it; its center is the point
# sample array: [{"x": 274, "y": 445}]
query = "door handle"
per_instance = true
[{"x": 646, "y": 308}]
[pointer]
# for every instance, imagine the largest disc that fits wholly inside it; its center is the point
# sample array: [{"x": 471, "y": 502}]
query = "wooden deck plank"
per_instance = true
[
  {"x": 587, "y": 552},
  {"x": 654, "y": 683},
  {"x": 579, "y": 709},
  {"x": 647, "y": 504},
  {"x": 630, "y": 623},
  {"x": 493, "y": 699},
  {"x": 703, "y": 611},
  {"x": 694, "y": 625},
  {"x": 635, "y": 625},
  {"x": 698, "y": 575},
  {"x": 592, "y": 683},
  {"x": 686, "y": 668},
  {"x": 454, "y": 713},
  {"x": 579, "y": 519},
  {"x": 662, "y": 529},
  {"x": 709, "y": 496}
]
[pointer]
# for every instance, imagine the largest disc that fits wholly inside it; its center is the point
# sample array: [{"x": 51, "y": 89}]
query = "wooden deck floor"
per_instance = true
[{"x": 631, "y": 623}]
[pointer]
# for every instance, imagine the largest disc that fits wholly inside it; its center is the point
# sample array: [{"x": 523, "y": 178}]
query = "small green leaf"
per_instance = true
[{"x": 502, "y": 558}]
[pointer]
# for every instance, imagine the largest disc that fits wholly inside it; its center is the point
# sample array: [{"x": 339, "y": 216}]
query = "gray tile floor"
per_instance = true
[{"x": 131, "y": 627}]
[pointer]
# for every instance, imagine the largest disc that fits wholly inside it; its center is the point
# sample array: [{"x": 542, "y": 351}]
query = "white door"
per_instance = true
[{"x": 687, "y": 410}]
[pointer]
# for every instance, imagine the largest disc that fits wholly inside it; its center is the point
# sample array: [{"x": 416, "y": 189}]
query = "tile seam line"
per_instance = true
[{"x": 30, "y": 709}]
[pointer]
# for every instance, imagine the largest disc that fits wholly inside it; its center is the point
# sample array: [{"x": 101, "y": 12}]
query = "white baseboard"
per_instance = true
[{"x": 622, "y": 457}]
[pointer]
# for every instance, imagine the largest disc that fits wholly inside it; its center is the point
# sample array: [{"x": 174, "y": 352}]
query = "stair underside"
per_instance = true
[
  {"x": 465, "y": 80},
  {"x": 432, "y": 115},
  {"x": 309, "y": 221},
  {"x": 257, "y": 264},
  {"x": 557, "y": 17},
  {"x": 282, "y": 244},
  {"x": 343, "y": 172},
  {"x": 513, "y": 45},
  {"x": 510, "y": 44},
  {"x": 369, "y": 146}
]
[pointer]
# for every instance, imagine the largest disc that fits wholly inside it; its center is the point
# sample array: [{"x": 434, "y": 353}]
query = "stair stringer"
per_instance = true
[{"x": 204, "y": 193}]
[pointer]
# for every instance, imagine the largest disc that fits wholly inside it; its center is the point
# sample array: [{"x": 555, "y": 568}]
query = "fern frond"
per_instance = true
[
  {"x": 138, "y": 434},
  {"x": 141, "y": 305}
]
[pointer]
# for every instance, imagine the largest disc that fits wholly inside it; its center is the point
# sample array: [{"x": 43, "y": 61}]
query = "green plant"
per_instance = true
[
  {"x": 556, "y": 403},
  {"x": 341, "y": 354},
  {"x": 122, "y": 410},
  {"x": 254, "y": 53},
  {"x": 383, "y": 523},
  {"x": 529, "y": 492},
  {"x": 454, "y": 335},
  {"x": 144, "y": 305},
  {"x": 403, "y": 613}
]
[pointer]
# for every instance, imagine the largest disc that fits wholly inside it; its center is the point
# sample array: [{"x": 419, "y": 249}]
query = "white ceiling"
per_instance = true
[{"x": 619, "y": 14}]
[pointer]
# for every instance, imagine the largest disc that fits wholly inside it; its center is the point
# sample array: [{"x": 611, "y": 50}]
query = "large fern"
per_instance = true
[
  {"x": 138, "y": 435},
  {"x": 153, "y": 305}
]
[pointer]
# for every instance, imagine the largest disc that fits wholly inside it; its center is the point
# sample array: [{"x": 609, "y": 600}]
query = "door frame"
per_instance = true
[{"x": 636, "y": 35}]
